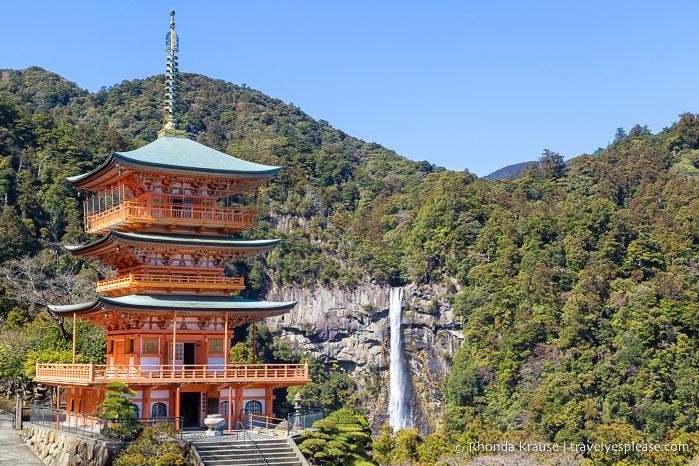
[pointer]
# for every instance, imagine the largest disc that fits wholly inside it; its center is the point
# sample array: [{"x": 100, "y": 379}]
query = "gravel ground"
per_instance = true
[{"x": 200, "y": 436}]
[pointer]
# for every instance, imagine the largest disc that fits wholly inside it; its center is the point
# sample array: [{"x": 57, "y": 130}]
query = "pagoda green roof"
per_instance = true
[
  {"x": 159, "y": 303},
  {"x": 184, "y": 240},
  {"x": 183, "y": 154}
]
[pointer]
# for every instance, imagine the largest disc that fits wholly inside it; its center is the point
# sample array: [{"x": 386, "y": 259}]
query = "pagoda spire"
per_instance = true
[{"x": 172, "y": 43}]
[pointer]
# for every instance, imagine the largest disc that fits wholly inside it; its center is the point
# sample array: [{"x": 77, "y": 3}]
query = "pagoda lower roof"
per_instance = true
[
  {"x": 180, "y": 154},
  {"x": 203, "y": 242},
  {"x": 185, "y": 304}
]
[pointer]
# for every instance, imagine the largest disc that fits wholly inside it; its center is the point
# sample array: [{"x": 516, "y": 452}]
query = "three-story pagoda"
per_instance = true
[{"x": 170, "y": 214}]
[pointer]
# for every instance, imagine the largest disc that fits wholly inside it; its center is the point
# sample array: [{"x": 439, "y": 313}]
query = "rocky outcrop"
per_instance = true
[
  {"x": 57, "y": 448},
  {"x": 351, "y": 328}
]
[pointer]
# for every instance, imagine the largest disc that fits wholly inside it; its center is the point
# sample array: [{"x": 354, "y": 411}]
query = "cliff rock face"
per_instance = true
[{"x": 351, "y": 328}]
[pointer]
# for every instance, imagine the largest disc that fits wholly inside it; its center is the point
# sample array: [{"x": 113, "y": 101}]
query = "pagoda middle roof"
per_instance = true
[
  {"x": 178, "y": 240},
  {"x": 169, "y": 303},
  {"x": 171, "y": 153}
]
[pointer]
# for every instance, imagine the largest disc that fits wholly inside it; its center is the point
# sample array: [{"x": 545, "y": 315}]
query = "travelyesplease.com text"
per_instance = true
[{"x": 571, "y": 447}]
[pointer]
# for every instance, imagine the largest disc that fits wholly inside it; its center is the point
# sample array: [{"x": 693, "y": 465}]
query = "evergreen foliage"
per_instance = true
[
  {"x": 23, "y": 343},
  {"x": 342, "y": 438},
  {"x": 576, "y": 284},
  {"x": 331, "y": 388},
  {"x": 119, "y": 412},
  {"x": 156, "y": 446}
]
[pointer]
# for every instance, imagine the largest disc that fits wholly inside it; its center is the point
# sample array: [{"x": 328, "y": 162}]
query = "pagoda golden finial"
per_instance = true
[{"x": 172, "y": 43}]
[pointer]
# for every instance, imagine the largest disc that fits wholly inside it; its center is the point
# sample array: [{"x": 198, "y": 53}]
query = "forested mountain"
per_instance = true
[
  {"x": 510, "y": 172},
  {"x": 576, "y": 285}
]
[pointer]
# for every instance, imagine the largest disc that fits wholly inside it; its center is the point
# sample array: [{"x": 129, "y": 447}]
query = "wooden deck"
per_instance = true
[
  {"x": 97, "y": 374},
  {"x": 195, "y": 216}
]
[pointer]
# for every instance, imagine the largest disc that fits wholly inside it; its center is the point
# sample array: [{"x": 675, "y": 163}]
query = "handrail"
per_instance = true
[
  {"x": 296, "y": 421},
  {"x": 165, "y": 279},
  {"x": 236, "y": 372},
  {"x": 240, "y": 428},
  {"x": 262, "y": 421},
  {"x": 169, "y": 211},
  {"x": 92, "y": 426},
  {"x": 302, "y": 420}
]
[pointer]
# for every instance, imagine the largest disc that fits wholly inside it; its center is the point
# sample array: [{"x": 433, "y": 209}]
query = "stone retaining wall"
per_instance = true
[{"x": 56, "y": 448}]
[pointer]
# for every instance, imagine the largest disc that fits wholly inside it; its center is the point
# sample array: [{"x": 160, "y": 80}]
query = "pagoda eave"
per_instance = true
[
  {"x": 185, "y": 305},
  {"x": 109, "y": 242},
  {"x": 176, "y": 156}
]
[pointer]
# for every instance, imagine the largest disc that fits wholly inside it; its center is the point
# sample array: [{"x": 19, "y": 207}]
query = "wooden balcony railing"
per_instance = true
[
  {"x": 170, "y": 213},
  {"x": 138, "y": 282},
  {"x": 88, "y": 374}
]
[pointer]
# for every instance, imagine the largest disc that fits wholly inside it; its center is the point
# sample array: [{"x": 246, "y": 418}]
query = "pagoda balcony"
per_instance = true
[
  {"x": 284, "y": 375},
  {"x": 136, "y": 215},
  {"x": 164, "y": 283}
]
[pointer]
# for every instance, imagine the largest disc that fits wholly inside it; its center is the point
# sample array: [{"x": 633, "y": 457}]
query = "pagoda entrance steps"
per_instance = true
[{"x": 261, "y": 452}]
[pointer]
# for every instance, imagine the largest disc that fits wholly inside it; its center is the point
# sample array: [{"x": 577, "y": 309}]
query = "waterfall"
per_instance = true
[{"x": 397, "y": 415}]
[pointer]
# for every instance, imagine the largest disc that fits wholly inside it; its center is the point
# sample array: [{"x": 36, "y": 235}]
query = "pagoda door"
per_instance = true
[
  {"x": 189, "y": 357},
  {"x": 184, "y": 355},
  {"x": 119, "y": 353},
  {"x": 179, "y": 355}
]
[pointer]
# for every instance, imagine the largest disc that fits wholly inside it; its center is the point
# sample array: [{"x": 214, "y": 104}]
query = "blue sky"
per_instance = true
[{"x": 461, "y": 84}]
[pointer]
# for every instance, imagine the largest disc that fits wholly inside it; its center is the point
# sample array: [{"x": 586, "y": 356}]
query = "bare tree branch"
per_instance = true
[{"x": 36, "y": 280}]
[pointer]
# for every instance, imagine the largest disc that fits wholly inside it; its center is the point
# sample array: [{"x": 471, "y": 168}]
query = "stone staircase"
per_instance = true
[{"x": 276, "y": 452}]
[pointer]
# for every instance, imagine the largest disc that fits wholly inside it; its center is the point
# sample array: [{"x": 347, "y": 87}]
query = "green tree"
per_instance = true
[
  {"x": 433, "y": 448},
  {"x": 331, "y": 387},
  {"x": 551, "y": 164},
  {"x": 384, "y": 445},
  {"x": 462, "y": 386},
  {"x": 17, "y": 318},
  {"x": 47, "y": 356},
  {"x": 16, "y": 238},
  {"x": 407, "y": 444},
  {"x": 342, "y": 438},
  {"x": 119, "y": 412},
  {"x": 156, "y": 446}
]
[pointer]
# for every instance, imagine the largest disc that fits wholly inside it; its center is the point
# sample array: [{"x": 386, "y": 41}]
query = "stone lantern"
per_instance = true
[{"x": 297, "y": 402}]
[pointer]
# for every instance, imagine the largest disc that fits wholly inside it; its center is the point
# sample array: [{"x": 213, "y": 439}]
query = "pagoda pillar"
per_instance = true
[
  {"x": 75, "y": 321},
  {"x": 145, "y": 402},
  {"x": 177, "y": 408},
  {"x": 254, "y": 341},
  {"x": 174, "y": 345},
  {"x": 58, "y": 407},
  {"x": 230, "y": 405},
  {"x": 239, "y": 403},
  {"x": 226, "y": 349},
  {"x": 269, "y": 401}
]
